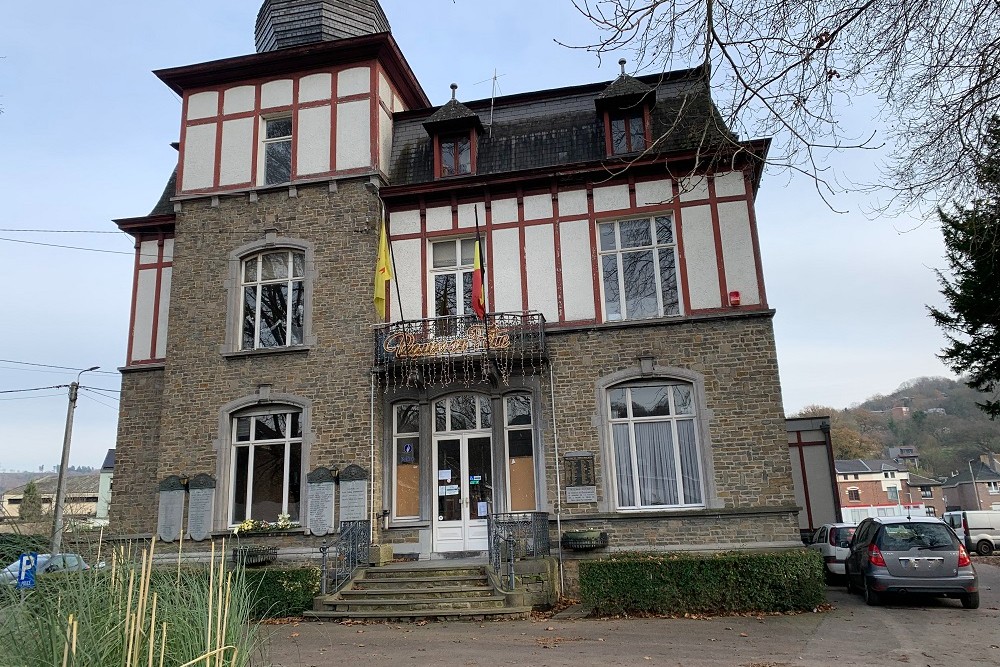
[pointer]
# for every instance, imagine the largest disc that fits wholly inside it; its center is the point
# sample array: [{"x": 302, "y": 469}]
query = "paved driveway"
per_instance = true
[{"x": 914, "y": 632}]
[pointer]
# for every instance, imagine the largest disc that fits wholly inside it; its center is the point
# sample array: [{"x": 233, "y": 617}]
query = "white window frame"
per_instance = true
[
  {"x": 289, "y": 281},
  {"x": 892, "y": 492},
  {"x": 396, "y": 437},
  {"x": 656, "y": 246},
  {"x": 480, "y": 399},
  {"x": 265, "y": 142},
  {"x": 459, "y": 269},
  {"x": 993, "y": 488},
  {"x": 856, "y": 491},
  {"x": 288, "y": 441},
  {"x": 672, "y": 419},
  {"x": 529, "y": 427}
]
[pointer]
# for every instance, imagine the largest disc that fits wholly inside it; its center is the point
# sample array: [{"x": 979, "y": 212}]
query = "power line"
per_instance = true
[
  {"x": 68, "y": 247},
  {"x": 65, "y": 368},
  {"x": 88, "y": 396},
  {"x": 99, "y": 393},
  {"x": 18, "y": 391},
  {"x": 28, "y": 398}
]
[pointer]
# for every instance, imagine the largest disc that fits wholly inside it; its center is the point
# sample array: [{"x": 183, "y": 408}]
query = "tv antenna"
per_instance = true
[{"x": 493, "y": 94}]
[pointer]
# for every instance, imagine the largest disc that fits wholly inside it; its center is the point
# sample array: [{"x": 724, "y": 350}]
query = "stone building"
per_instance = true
[{"x": 624, "y": 377}]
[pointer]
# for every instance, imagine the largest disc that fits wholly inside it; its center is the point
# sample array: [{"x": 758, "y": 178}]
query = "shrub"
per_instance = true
[
  {"x": 275, "y": 592},
  {"x": 14, "y": 544},
  {"x": 725, "y": 583}
]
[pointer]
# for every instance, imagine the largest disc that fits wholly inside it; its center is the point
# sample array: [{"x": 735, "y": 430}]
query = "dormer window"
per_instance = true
[
  {"x": 456, "y": 155},
  {"x": 628, "y": 131}
]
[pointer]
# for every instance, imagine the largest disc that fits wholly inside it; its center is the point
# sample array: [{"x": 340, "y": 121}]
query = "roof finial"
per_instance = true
[
  {"x": 622, "y": 63},
  {"x": 454, "y": 87}
]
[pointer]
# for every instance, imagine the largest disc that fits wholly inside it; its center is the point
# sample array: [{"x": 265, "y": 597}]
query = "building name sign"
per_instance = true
[{"x": 404, "y": 345}]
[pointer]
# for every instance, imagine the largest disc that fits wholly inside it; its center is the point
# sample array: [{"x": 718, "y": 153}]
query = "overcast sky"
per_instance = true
[{"x": 85, "y": 134}]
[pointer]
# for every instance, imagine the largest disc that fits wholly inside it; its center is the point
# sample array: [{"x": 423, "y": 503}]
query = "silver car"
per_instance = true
[{"x": 910, "y": 555}]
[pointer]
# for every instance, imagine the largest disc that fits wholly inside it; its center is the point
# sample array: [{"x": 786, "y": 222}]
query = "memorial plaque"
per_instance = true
[
  {"x": 581, "y": 494},
  {"x": 321, "y": 490},
  {"x": 353, "y": 494},
  {"x": 579, "y": 469},
  {"x": 201, "y": 505},
  {"x": 170, "y": 517}
]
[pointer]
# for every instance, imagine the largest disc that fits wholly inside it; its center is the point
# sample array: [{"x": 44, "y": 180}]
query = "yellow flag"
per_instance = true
[{"x": 383, "y": 272}]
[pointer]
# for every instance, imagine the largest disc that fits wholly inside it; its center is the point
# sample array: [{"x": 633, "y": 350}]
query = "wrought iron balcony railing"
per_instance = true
[{"x": 519, "y": 335}]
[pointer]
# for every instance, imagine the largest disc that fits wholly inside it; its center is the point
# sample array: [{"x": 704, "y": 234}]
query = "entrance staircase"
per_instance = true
[{"x": 430, "y": 590}]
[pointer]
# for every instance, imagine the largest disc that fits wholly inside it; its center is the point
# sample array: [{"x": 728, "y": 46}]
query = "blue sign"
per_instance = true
[{"x": 26, "y": 571}]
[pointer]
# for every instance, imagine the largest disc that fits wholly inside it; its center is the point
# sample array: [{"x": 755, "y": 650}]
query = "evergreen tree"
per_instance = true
[
  {"x": 971, "y": 319},
  {"x": 31, "y": 504}
]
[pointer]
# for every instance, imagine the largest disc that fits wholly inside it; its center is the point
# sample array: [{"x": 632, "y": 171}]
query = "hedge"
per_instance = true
[
  {"x": 725, "y": 583},
  {"x": 276, "y": 593}
]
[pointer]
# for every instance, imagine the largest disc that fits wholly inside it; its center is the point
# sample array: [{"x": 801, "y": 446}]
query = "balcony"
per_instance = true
[{"x": 459, "y": 347}]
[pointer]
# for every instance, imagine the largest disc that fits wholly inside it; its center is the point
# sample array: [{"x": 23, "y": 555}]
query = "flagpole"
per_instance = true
[{"x": 392, "y": 258}]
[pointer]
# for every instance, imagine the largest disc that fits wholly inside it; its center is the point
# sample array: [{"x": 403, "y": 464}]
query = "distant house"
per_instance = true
[
  {"x": 104, "y": 491},
  {"x": 877, "y": 487},
  {"x": 82, "y": 495},
  {"x": 906, "y": 455},
  {"x": 900, "y": 412},
  {"x": 974, "y": 489},
  {"x": 929, "y": 491}
]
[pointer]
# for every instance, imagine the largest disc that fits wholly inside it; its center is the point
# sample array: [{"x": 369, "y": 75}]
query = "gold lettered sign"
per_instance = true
[{"x": 405, "y": 345}]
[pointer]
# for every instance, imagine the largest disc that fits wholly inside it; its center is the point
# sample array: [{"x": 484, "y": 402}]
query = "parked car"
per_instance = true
[
  {"x": 910, "y": 555},
  {"x": 979, "y": 530},
  {"x": 46, "y": 564},
  {"x": 832, "y": 540}
]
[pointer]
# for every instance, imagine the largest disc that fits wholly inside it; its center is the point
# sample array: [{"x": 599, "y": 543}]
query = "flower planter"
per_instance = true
[
  {"x": 254, "y": 556},
  {"x": 582, "y": 540}
]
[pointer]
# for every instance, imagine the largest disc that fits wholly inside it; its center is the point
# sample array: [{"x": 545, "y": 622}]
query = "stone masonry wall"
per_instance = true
[
  {"x": 135, "y": 486},
  {"x": 333, "y": 373}
]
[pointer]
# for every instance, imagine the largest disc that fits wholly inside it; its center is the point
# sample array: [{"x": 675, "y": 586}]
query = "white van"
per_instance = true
[{"x": 979, "y": 530}]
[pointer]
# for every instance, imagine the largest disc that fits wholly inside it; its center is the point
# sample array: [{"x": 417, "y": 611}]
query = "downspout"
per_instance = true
[
  {"x": 371, "y": 489},
  {"x": 555, "y": 440}
]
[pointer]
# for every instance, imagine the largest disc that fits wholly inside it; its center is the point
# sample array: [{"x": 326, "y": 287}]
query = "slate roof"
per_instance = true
[
  {"x": 82, "y": 484},
  {"x": 866, "y": 465},
  {"x": 109, "y": 461},
  {"x": 164, "y": 206},
  {"x": 559, "y": 127},
  {"x": 624, "y": 86},
  {"x": 920, "y": 480},
  {"x": 983, "y": 474}
]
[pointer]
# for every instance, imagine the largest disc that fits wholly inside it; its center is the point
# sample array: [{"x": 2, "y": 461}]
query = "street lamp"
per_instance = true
[
  {"x": 57, "y": 523},
  {"x": 975, "y": 489}
]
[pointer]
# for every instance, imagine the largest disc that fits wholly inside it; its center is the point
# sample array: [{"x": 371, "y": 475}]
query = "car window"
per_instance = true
[
  {"x": 820, "y": 535},
  {"x": 842, "y": 534},
  {"x": 72, "y": 561},
  {"x": 907, "y": 536}
]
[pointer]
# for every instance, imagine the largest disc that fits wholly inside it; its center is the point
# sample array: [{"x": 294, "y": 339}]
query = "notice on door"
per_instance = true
[{"x": 444, "y": 475}]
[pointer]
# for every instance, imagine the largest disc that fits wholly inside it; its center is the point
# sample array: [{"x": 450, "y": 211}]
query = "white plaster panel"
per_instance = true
[
  {"x": 203, "y": 105},
  {"x": 506, "y": 271},
  {"x": 164, "y": 314},
  {"x": 199, "y": 156},
  {"x": 702, "y": 263},
  {"x": 148, "y": 252},
  {"x": 384, "y": 91},
  {"x": 276, "y": 94},
  {"x": 651, "y": 193},
  {"x": 537, "y": 207},
  {"x": 237, "y": 151},
  {"x": 397, "y": 104},
  {"x": 168, "y": 250},
  {"x": 145, "y": 301},
  {"x": 693, "y": 189},
  {"x": 312, "y": 141},
  {"x": 407, "y": 269},
  {"x": 354, "y": 81},
  {"x": 353, "y": 135},
  {"x": 730, "y": 184},
  {"x": 239, "y": 99},
  {"x": 540, "y": 268},
  {"x": 384, "y": 139},
  {"x": 316, "y": 87},
  {"x": 438, "y": 218},
  {"x": 405, "y": 222},
  {"x": 577, "y": 270},
  {"x": 467, "y": 215},
  {"x": 611, "y": 198},
  {"x": 572, "y": 202},
  {"x": 737, "y": 251},
  {"x": 504, "y": 210}
]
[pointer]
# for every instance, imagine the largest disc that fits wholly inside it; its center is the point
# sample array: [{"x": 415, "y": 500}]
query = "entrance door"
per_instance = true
[{"x": 464, "y": 492}]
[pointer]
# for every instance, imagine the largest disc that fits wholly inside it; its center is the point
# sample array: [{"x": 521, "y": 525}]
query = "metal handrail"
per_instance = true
[
  {"x": 349, "y": 551},
  {"x": 515, "y": 536}
]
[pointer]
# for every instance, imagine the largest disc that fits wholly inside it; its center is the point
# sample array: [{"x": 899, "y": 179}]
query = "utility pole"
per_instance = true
[
  {"x": 975, "y": 489},
  {"x": 57, "y": 523}
]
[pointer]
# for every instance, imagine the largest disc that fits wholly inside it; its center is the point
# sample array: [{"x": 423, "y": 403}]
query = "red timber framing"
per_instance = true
[
  {"x": 378, "y": 52},
  {"x": 797, "y": 452},
  {"x": 483, "y": 191},
  {"x": 160, "y": 229}
]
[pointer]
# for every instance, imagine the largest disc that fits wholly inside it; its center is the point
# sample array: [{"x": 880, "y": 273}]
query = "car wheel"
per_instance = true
[
  {"x": 872, "y": 598},
  {"x": 850, "y": 583},
  {"x": 970, "y": 600},
  {"x": 984, "y": 548}
]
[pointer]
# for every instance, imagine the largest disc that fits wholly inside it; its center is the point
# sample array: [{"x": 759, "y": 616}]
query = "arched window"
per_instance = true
[
  {"x": 654, "y": 437},
  {"x": 273, "y": 299},
  {"x": 266, "y": 464}
]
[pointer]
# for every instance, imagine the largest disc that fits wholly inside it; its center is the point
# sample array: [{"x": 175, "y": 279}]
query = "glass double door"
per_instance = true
[{"x": 464, "y": 492}]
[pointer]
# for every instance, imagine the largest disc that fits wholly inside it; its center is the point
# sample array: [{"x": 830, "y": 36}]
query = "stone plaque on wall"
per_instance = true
[
  {"x": 353, "y": 494},
  {"x": 201, "y": 506},
  {"x": 581, "y": 494},
  {"x": 581, "y": 485},
  {"x": 321, "y": 490},
  {"x": 170, "y": 517}
]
